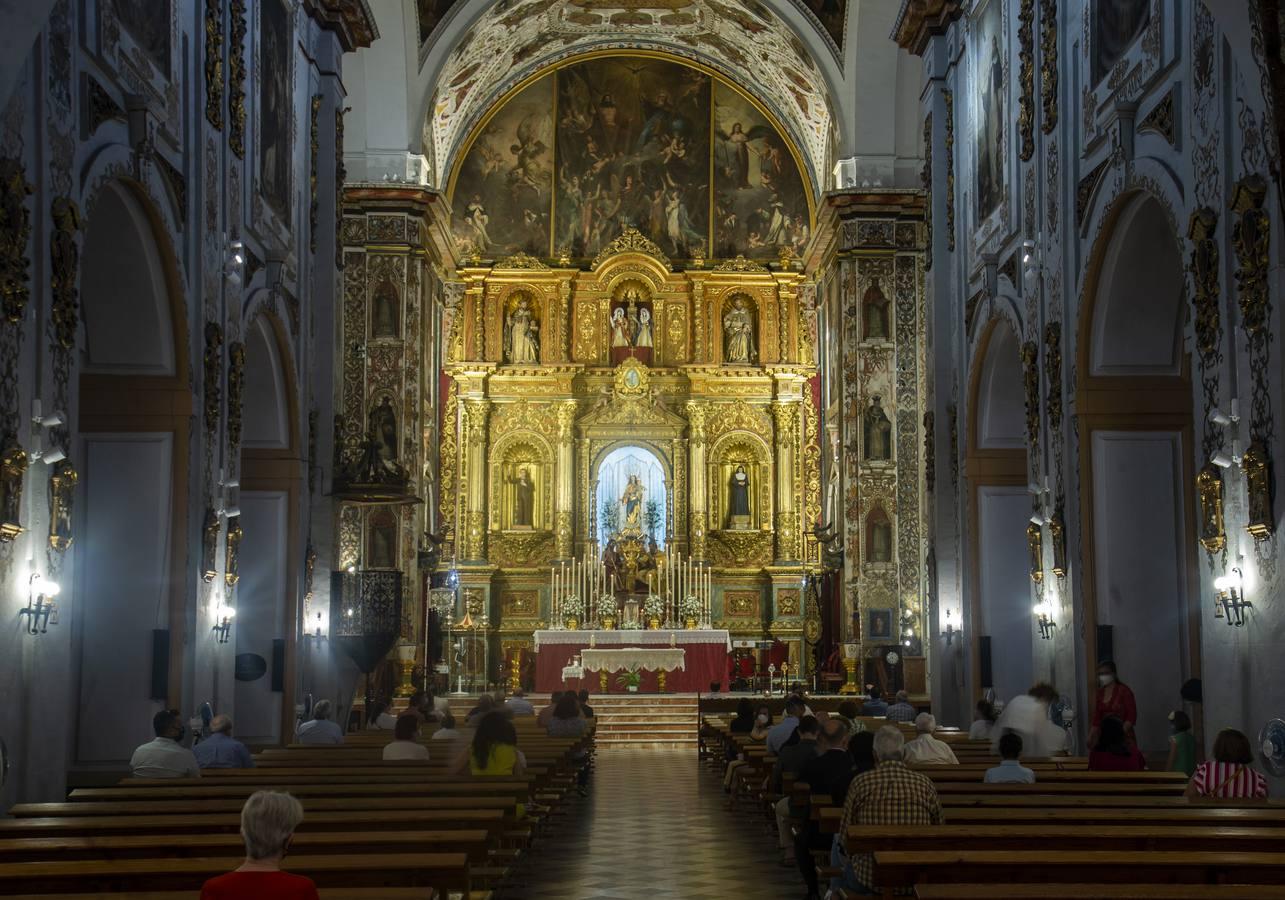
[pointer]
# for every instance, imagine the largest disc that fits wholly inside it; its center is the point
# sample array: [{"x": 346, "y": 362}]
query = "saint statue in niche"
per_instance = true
[
  {"x": 384, "y": 318},
  {"x": 619, "y": 328},
  {"x": 523, "y": 499},
  {"x": 383, "y": 433},
  {"x": 738, "y": 334},
  {"x": 876, "y": 314},
  {"x": 878, "y": 537},
  {"x": 738, "y": 500},
  {"x": 645, "y": 332},
  {"x": 878, "y": 432},
  {"x": 522, "y": 335},
  {"x": 631, "y": 502}
]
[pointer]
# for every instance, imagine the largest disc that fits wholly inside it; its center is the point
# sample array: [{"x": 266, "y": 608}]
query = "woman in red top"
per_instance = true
[
  {"x": 1114, "y": 752},
  {"x": 268, "y": 821},
  {"x": 1228, "y": 776},
  {"x": 1113, "y": 699}
]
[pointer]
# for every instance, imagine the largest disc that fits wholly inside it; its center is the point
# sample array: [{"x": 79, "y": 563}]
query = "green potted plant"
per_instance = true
[{"x": 630, "y": 679}]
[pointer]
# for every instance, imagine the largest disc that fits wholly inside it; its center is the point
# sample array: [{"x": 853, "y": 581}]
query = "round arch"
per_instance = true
[
  {"x": 270, "y": 414},
  {"x": 652, "y": 449}
]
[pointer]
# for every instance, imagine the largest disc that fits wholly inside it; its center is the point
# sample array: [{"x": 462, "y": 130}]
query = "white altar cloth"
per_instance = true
[
  {"x": 663, "y": 637},
  {"x": 617, "y": 659}
]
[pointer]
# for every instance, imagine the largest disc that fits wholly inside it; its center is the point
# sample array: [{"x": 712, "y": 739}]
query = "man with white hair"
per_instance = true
[
  {"x": 268, "y": 822},
  {"x": 926, "y": 749},
  {"x": 889, "y": 794},
  {"x": 901, "y": 711},
  {"x": 320, "y": 730},
  {"x": 220, "y": 750}
]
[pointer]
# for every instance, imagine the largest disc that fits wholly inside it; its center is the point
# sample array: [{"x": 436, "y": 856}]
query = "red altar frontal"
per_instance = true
[{"x": 703, "y": 659}]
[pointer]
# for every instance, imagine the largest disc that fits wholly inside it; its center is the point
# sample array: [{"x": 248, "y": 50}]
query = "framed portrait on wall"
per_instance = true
[
  {"x": 989, "y": 49},
  {"x": 878, "y": 625}
]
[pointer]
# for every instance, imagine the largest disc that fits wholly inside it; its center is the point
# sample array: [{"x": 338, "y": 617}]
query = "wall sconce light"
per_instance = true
[
  {"x": 235, "y": 262},
  {"x": 951, "y": 632},
  {"x": 223, "y": 617},
  {"x": 319, "y": 629},
  {"x": 41, "y": 611},
  {"x": 1230, "y": 602},
  {"x": 1044, "y": 619}
]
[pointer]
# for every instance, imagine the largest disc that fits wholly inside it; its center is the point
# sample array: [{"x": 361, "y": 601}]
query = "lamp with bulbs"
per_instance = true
[
  {"x": 41, "y": 610},
  {"x": 1229, "y": 601},
  {"x": 1044, "y": 620},
  {"x": 950, "y": 632},
  {"x": 223, "y": 616}
]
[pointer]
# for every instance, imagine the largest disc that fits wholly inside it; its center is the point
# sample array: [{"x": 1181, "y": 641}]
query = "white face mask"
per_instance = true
[
  {"x": 762, "y": 719},
  {"x": 1105, "y": 680}
]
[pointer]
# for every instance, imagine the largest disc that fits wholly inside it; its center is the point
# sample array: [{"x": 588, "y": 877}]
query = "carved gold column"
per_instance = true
[
  {"x": 477, "y": 412},
  {"x": 565, "y": 479},
  {"x": 787, "y": 516},
  {"x": 698, "y": 490}
]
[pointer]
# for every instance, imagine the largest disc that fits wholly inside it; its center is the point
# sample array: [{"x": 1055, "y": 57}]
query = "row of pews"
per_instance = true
[
  {"x": 372, "y": 830},
  {"x": 1075, "y": 833}
]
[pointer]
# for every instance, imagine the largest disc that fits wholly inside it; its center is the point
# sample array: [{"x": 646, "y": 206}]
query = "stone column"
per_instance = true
[
  {"x": 565, "y": 481},
  {"x": 477, "y": 412},
  {"x": 698, "y": 490},
  {"x": 787, "y": 515}
]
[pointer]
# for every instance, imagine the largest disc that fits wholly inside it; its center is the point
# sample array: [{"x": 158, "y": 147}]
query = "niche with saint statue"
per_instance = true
[
  {"x": 385, "y": 311},
  {"x": 521, "y": 330},
  {"x": 740, "y": 339},
  {"x": 876, "y": 432},
  {"x": 875, "y": 318},
  {"x": 878, "y": 537},
  {"x": 632, "y": 326},
  {"x": 520, "y": 476},
  {"x": 739, "y": 483}
]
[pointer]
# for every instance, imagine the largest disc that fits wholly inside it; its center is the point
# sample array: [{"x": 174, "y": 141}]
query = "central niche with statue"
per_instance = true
[{"x": 625, "y": 436}]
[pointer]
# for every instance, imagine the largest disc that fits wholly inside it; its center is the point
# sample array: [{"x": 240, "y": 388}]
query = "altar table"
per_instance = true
[{"x": 703, "y": 660}]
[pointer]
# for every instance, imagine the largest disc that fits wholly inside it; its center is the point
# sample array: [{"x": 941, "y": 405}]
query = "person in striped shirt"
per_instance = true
[{"x": 1229, "y": 775}]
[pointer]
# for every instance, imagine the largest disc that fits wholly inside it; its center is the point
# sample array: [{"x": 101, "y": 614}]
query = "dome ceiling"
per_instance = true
[{"x": 744, "y": 40}]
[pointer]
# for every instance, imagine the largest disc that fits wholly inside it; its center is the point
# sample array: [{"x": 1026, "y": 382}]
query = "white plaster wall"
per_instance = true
[
  {"x": 261, "y": 609},
  {"x": 1140, "y": 566},
  {"x": 121, "y": 591},
  {"x": 1005, "y": 584}
]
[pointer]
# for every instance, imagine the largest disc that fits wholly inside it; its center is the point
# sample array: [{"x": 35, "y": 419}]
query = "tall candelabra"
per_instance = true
[{"x": 582, "y": 590}]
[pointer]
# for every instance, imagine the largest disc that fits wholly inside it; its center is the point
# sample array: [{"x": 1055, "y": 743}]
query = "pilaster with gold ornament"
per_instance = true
[
  {"x": 563, "y": 515},
  {"x": 787, "y": 441},
  {"x": 697, "y": 411},
  {"x": 477, "y": 412}
]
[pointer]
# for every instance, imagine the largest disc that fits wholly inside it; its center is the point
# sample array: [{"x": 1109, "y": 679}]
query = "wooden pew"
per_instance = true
[
  {"x": 1044, "y": 891},
  {"x": 1133, "y": 838},
  {"x": 158, "y": 807},
  {"x": 460, "y": 787}
]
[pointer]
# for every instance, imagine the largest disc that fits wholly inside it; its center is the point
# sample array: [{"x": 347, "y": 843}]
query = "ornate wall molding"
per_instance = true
[
  {"x": 1053, "y": 373},
  {"x": 64, "y": 260},
  {"x": 236, "y": 385},
  {"x": 1160, "y": 119},
  {"x": 314, "y": 149},
  {"x": 213, "y": 372},
  {"x": 949, "y": 98},
  {"x": 1048, "y": 65},
  {"x": 926, "y": 179},
  {"x": 236, "y": 79},
  {"x": 14, "y": 237},
  {"x": 214, "y": 63},
  {"x": 1031, "y": 386},
  {"x": 1206, "y": 280},
  {"x": 1026, "y": 80}
]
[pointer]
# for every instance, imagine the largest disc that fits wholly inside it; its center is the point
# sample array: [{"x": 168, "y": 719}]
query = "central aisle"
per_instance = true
[{"x": 654, "y": 828}]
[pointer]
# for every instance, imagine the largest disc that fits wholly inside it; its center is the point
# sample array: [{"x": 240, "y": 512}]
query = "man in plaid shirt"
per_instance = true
[{"x": 889, "y": 794}]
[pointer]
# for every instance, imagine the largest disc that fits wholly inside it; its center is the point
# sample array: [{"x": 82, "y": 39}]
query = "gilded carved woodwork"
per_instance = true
[
  {"x": 1160, "y": 119},
  {"x": 1048, "y": 65},
  {"x": 62, "y": 486},
  {"x": 13, "y": 468},
  {"x": 236, "y": 78},
  {"x": 1031, "y": 387},
  {"x": 948, "y": 100},
  {"x": 314, "y": 149},
  {"x": 1251, "y": 230},
  {"x": 213, "y": 377},
  {"x": 210, "y": 546},
  {"x": 1053, "y": 373},
  {"x": 1057, "y": 537},
  {"x": 1261, "y": 520},
  {"x": 631, "y": 240},
  {"x": 1035, "y": 551},
  {"x": 926, "y": 182},
  {"x": 214, "y": 63},
  {"x": 232, "y": 552},
  {"x": 15, "y": 232},
  {"x": 1209, "y": 491},
  {"x": 64, "y": 263},
  {"x": 341, "y": 174},
  {"x": 1206, "y": 282},
  {"x": 1026, "y": 80},
  {"x": 236, "y": 387}
]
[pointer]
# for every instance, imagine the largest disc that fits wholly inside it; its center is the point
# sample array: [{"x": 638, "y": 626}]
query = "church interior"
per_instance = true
[{"x": 818, "y": 446}]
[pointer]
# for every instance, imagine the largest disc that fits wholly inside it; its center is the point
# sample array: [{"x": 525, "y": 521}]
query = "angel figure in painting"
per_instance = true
[
  {"x": 476, "y": 217},
  {"x": 738, "y": 334}
]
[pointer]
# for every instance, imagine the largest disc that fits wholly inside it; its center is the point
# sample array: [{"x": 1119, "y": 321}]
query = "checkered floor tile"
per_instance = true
[{"x": 654, "y": 828}]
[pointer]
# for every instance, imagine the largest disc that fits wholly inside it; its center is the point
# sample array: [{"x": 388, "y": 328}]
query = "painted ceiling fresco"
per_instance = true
[
  {"x": 742, "y": 38},
  {"x": 429, "y": 14},
  {"x": 641, "y": 141}
]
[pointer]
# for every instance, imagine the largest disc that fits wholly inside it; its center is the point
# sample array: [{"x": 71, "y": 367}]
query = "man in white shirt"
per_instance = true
[
  {"x": 1010, "y": 770},
  {"x": 165, "y": 757},
  {"x": 519, "y": 705},
  {"x": 320, "y": 730},
  {"x": 1028, "y": 716},
  {"x": 779, "y": 733},
  {"x": 926, "y": 749},
  {"x": 901, "y": 711}
]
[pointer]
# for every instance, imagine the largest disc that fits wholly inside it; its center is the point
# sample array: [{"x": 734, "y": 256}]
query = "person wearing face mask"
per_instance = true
[
  {"x": 1113, "y": 699},
  {"x": 762, "y": 725},
  {"x": 268, "y": 823},
  {"x": 165, "y": 757}
]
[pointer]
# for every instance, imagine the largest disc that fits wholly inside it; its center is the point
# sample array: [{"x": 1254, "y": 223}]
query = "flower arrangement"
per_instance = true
[
  {"x": 654, "y": 607},
  {"x": 690, "y": 607},
  {"x": 572, "y": 605}
]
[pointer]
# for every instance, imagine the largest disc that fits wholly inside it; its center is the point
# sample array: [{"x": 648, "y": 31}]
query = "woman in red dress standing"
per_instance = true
[{"x": 1113, "y": 698}]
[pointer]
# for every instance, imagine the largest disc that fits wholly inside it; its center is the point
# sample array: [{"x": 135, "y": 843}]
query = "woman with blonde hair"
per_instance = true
[{"x": 268, "y": 822}]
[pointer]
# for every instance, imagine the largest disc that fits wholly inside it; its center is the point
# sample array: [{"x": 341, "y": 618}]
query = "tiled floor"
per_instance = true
[{"x": 654, "y": 828}]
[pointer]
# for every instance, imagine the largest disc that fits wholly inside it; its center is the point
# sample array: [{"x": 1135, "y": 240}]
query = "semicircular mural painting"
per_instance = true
[{"x": 565, "y": 163}]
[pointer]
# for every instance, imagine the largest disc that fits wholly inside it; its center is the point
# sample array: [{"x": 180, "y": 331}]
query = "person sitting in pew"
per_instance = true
[
  {"x": 901, "y": 711},
  {"x": 847, "y": 713},
  {"x": 830, "y": 771},
  {"x": 319, "y": 729},
  {"x": 1028, "y": 715},
  {"x": 220, "y": 750},
  {"x": 268, "y": 822},
  {"x": 926, "y": 749},
  {"x": 1010, "y": 770},
  {"x": 783, "y": 730},
  {"x": 485, "y": 705},
  {"x": 792, "y": 758},
  {"x": 585, "y": 709},
  {"x": 861, "y": 747},
  {"x": 875, "y": 706},
  {"x": 378, "y": 718},
  {"x": 430, "y": 708},
  {"x": 567, "y": 721},
  {"x": 543, "y": 716},
  {"x": 1229, "y": 775},
  {"x": 445, "y": 729},
  {"x": 758, "y": 732},
  {"x": 984, "y": 724},
  {"x": 890, "y": 794},
  {"x": 165, "y": 756},
  {"x": 405, "y": 744},
  {"x": 743, "y": 722},
  {"x": 1114, "y": 751},
  {"x": 1182, "y": 745},
  {"x": 519, "y": 704},
  {"x": 493, "y": 752}
]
